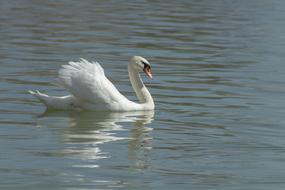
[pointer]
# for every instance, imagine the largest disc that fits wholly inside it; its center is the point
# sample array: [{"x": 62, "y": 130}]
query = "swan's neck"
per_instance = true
[{"x": 139, "y": 87}]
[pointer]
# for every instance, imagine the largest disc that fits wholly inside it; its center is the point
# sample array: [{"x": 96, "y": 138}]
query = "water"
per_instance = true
[{"x": 218, "y": 86}]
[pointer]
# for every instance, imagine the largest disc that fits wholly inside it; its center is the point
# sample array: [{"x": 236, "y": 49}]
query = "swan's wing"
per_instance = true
[{"x": 87, "y": 82}]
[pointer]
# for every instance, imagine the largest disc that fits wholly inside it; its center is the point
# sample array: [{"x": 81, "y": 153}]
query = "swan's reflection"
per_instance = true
[
  {"x": 87, "y": 130},
  {"x": 140, "y": 143}
]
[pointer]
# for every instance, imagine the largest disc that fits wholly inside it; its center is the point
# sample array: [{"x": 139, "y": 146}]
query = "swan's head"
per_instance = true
[{"x": 141, "y": 63}]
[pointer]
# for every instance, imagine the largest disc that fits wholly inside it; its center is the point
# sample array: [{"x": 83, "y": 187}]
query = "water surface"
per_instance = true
[{"x": 218, "y": 86}]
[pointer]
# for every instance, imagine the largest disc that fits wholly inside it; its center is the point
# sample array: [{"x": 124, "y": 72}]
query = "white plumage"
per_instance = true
[{"x": 91, "y": 90}]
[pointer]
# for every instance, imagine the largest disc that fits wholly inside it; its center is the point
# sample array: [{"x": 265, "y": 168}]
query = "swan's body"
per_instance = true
[{"x": 91, "y": 90}]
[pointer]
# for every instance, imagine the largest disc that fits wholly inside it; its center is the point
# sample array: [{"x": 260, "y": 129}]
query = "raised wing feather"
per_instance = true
[{"x": 87, "y": 82}]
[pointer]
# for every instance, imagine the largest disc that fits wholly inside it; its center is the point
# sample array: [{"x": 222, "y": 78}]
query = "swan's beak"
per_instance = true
[{"x": 147, "y": 71}]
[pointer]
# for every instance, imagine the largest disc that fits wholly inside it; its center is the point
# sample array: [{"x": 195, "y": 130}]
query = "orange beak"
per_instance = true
[{"x": 147, "y": 71}]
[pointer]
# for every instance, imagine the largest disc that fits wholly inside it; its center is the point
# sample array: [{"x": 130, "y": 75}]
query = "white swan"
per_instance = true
[{"x": 91, "y": 90}]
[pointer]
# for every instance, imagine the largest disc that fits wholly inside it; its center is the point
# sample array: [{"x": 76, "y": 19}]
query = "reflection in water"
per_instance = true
[
  {"x": 140, "y": 142},
  {"x": 91, "y": 129}
]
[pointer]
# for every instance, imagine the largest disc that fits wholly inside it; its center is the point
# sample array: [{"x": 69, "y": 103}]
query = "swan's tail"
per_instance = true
[
  {"x": 55, "y": 102},
  {"x": 44, "y": 98}
]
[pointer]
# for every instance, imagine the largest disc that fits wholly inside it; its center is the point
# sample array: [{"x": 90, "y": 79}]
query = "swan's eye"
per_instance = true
[
  {"x": 145, "y": 64},
  {"x": 147, "y": 69}
]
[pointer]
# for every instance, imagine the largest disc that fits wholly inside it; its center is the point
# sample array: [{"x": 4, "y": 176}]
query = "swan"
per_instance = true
[{"x": 91, "y": 90}]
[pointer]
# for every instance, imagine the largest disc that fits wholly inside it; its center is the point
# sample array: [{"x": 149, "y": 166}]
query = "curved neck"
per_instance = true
[{"x": 138, "y": 86}]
